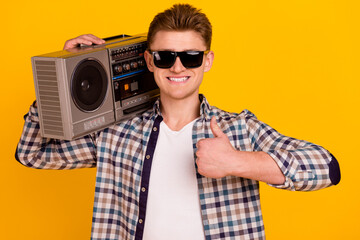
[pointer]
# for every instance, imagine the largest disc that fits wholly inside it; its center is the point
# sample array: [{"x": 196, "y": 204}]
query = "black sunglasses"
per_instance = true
[{"x": 189, "y": 59}]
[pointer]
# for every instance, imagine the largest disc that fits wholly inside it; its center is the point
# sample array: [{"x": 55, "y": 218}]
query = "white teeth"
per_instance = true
[{"x": 182, "y": 79}]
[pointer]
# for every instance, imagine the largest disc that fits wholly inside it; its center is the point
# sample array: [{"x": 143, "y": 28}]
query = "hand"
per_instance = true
[
  {"x": 87, "y": 39},
  {"x": 215, "y": 156}
]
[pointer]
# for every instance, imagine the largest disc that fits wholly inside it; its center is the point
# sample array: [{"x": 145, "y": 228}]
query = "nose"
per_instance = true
[{"x": 177, "y": 67}]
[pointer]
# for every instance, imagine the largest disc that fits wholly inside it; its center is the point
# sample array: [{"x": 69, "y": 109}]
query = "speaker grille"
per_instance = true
[{"x": 48, "y": 95}]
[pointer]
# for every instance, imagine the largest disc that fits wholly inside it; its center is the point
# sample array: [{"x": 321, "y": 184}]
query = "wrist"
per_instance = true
[
  {"x": 240, "y": 163},
  {"x": 258, "y": 166}
]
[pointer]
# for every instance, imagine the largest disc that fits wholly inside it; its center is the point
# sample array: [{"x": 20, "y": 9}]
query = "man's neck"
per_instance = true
[{"x": 177, "y": 113}]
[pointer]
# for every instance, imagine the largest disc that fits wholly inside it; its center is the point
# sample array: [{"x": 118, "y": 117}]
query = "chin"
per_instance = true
[{"x": 179, "y": 95}]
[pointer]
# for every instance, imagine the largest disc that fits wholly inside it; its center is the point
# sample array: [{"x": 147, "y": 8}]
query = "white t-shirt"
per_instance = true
[{"x": 173, "y": 207}]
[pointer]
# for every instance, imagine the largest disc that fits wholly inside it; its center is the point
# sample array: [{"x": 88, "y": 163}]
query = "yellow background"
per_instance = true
[{"x": 292, "y": 63}]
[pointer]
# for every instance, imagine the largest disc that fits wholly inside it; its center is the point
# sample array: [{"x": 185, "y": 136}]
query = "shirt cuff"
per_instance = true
[{"x": 296, "y": 178}]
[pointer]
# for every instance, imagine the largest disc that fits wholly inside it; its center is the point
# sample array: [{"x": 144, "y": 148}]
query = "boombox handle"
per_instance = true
[
  {"x": 108, "y": 41},
  {"x": 115, "y": 37}
]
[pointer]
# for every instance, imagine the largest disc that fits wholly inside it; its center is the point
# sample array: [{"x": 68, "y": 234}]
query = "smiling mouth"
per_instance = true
[{"x": 178, "y": 79}]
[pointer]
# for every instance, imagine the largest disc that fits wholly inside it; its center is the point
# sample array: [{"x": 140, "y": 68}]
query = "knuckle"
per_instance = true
[{"x": 200, "y": 143}]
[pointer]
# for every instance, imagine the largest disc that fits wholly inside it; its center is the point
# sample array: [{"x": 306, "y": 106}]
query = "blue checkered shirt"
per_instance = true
[{"x": 230, "y": 206}]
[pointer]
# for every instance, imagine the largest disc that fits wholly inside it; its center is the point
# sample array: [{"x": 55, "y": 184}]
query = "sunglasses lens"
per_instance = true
[
  {"x": 164, "y": 59},
  {"x": 191, "y": 59}
]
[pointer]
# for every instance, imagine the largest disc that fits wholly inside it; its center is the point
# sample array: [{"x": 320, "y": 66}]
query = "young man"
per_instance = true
[{"x": 183, "y": 169}]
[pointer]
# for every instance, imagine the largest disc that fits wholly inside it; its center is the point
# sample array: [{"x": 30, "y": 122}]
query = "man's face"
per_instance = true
[{"x": 178, "y": 82}]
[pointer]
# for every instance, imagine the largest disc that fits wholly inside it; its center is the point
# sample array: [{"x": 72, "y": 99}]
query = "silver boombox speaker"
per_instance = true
[{"x": 86, "y": 89}]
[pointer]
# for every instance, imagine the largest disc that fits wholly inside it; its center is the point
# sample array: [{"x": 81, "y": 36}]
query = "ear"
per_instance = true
[
  {"x": 209, "y": 58},
  {"x": 149, "y": 61}
]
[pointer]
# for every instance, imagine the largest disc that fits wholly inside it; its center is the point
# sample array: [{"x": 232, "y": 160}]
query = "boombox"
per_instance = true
[{"x": 86, "y": 89}]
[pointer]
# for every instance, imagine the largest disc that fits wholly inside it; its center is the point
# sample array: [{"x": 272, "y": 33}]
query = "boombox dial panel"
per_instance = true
[
  {"x": 128, "y": 60},
  {"x": 129, "y": 73},
  {"x": 128, "y": 51}
]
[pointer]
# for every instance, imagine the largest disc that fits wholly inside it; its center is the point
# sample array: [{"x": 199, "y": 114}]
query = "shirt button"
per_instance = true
[
  {"x": 155, "y": 129},
  {"x": 143, "y": 189},
  {"x": 140, "y": 221},
  {"x": 147, "y": 156}
]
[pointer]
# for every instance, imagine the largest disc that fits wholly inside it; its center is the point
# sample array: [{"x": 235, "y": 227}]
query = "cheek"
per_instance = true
[
  {"x": 199, "y": 73},
  {"x": 158, "y": 74}
]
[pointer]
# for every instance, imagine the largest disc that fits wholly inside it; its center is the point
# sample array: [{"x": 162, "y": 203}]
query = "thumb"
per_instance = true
[{"x": 216, "y": 130}]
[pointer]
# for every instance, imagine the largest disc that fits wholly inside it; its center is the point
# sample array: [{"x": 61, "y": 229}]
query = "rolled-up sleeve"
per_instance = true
[
  {"x": 306, "y": 166},
  {"x": 44, "y": 153}
]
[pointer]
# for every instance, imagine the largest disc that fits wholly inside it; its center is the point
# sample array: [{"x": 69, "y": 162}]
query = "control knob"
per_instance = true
[
  {"x": 134, "y": 65},
  {"x": 116, "y": 85},
  {"x": 118, "y": 69},
  {"x": 126, "y": 66},
  {"x": 141, "y": 63}
]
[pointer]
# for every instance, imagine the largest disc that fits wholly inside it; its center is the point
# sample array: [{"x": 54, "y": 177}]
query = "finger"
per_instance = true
[
  {"x": 216, "y": 130},
  {"x": 199, "y": 143},
  {"x": 87, "y": 39},
  {"x": 93, "y": 39},
  {"x": 70, "y": 44},
  {"x": 200, "y": 169},
  {"x": 76, "y": 42},
  {"x": 197, "y": 161}
]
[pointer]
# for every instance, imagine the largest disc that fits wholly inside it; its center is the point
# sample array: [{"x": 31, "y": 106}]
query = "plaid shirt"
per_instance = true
[{"x": 230, "y": 206}]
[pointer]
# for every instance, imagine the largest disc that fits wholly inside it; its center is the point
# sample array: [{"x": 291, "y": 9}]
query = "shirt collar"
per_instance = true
[
  {"x": 204, "y": 107},
  {"x": 156, "y": 107}
]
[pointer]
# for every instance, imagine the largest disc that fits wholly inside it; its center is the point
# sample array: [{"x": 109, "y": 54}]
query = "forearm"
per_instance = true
[
  {"x": 257, "y": 166},
  {"x": 37, "y": 152},
  {"x": 306, "y": 166}
]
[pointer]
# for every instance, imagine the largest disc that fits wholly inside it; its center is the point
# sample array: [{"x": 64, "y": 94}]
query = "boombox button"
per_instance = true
[
  {"x": 126, "y": 66},
  {"x": 134, "y": 65}
]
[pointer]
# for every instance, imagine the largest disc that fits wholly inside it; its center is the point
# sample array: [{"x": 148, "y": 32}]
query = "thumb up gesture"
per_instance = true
[{"x": 215, "y": 156}]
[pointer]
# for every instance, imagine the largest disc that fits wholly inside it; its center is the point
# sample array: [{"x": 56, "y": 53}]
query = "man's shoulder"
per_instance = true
[
  {"x": 211, "y": 110},
  {"x": 232, "y": 123},
  {"x": 221, "y": 114}
]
